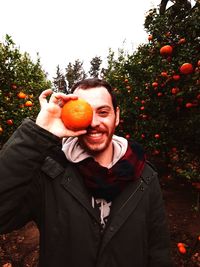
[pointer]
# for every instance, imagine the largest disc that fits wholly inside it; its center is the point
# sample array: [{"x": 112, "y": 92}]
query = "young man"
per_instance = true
[{"x": 95, "y": 199}]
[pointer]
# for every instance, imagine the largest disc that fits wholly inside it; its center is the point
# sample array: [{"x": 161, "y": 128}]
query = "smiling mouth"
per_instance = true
[{"x": 94, "y": 134}]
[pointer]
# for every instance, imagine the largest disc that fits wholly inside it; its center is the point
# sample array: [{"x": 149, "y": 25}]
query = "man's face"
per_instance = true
[{"x": 100, "y": 132}]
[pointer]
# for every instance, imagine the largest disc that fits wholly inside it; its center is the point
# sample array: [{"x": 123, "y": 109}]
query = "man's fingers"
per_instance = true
[
  {"x": 61, "y": 98},
  {"x": 43, "y": 96},
  {"x": 56, "y": 98}
]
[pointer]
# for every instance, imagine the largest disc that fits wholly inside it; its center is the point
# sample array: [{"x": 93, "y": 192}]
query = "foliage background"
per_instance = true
[
  {"x": 159, "y": 104},
  {"x": 18, "y": 74},
  {"x": 160, "y": 110}
]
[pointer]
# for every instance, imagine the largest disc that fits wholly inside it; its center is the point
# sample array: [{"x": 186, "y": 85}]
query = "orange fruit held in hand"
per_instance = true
[{"x": 77, "y": 114}]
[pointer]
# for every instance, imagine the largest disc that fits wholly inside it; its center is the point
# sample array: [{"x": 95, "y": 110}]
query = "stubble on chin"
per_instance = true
[{"x": 93, "y": 148}]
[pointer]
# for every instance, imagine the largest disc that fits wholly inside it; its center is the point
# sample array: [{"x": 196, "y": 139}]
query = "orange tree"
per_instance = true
[
  {"x": 21, "y": 81},
  {"x": 158, "y": 88}
]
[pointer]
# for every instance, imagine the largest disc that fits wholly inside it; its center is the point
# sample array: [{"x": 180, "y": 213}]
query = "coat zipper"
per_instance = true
[{"x": 141, "y": 182}]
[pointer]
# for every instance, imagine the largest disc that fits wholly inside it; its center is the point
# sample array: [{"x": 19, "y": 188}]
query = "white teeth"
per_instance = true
[{"x": 95, "y": 134}]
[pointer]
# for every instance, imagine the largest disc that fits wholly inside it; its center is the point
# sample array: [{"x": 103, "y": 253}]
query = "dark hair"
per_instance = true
[{"x": 94, "y": 83}]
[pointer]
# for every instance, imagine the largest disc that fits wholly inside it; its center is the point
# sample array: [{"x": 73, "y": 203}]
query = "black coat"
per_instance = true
[{"x": 38, "y": 183}]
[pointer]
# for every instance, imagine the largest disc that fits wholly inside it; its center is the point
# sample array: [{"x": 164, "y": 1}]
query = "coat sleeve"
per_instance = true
[
  {"x": 20, "y": 159},
  {"x": 159, "y": 238}
]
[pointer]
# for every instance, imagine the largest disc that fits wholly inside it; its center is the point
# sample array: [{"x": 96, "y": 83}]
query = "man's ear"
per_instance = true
[{"x": 117, "y": 116}]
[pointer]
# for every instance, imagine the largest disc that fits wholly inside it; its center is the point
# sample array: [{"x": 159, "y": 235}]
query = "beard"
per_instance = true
[{"x": 97, "y": 143}]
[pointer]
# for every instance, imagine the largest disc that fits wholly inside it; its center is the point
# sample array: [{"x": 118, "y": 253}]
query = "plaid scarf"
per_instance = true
[{"x": 105, "y": 183}]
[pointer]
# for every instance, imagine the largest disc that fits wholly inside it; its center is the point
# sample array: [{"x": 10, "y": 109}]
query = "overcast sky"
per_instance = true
[{"x": 62, "y": 31}]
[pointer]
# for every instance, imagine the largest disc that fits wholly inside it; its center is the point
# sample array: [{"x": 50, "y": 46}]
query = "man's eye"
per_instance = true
[{"x": 103, "y": 113}]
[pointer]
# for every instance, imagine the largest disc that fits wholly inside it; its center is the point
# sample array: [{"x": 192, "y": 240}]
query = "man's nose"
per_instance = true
[{"x": 95, "y": 120}]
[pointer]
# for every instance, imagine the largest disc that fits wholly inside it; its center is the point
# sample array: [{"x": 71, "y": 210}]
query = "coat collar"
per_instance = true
[{"x": 73, "y": 183}]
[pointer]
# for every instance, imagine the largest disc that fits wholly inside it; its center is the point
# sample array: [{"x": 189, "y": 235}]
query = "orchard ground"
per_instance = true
[{"x": 20, "y": 248}]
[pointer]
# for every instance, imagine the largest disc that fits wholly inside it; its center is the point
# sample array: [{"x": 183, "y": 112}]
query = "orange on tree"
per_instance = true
[
  {"x": 166, "y": 50},
  {"x": 21, "y": 95},
  {"x": 142, "y": 108},
  {"x": 181, "y": 248},
  {"x": 188, "y": 105},
  {"x": 150, "y": 37},
  {"x": 28, "y": 103},
  {"x": 186, "y": 68},
  {"x": 180, "y": 244},
  {"x": 157, "y": 136},
  {"x": 154, "y": 84},
  {"x": 174, "y": 90},
  {"x": 14, "y": 86},
  {"x": 164, "y": 74},
  {"x": 182, "y": 41},
  {"x": 77, "y": 114},
  {"x": 176, "y": 77},
  {"x": 9, "y": 122}
]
